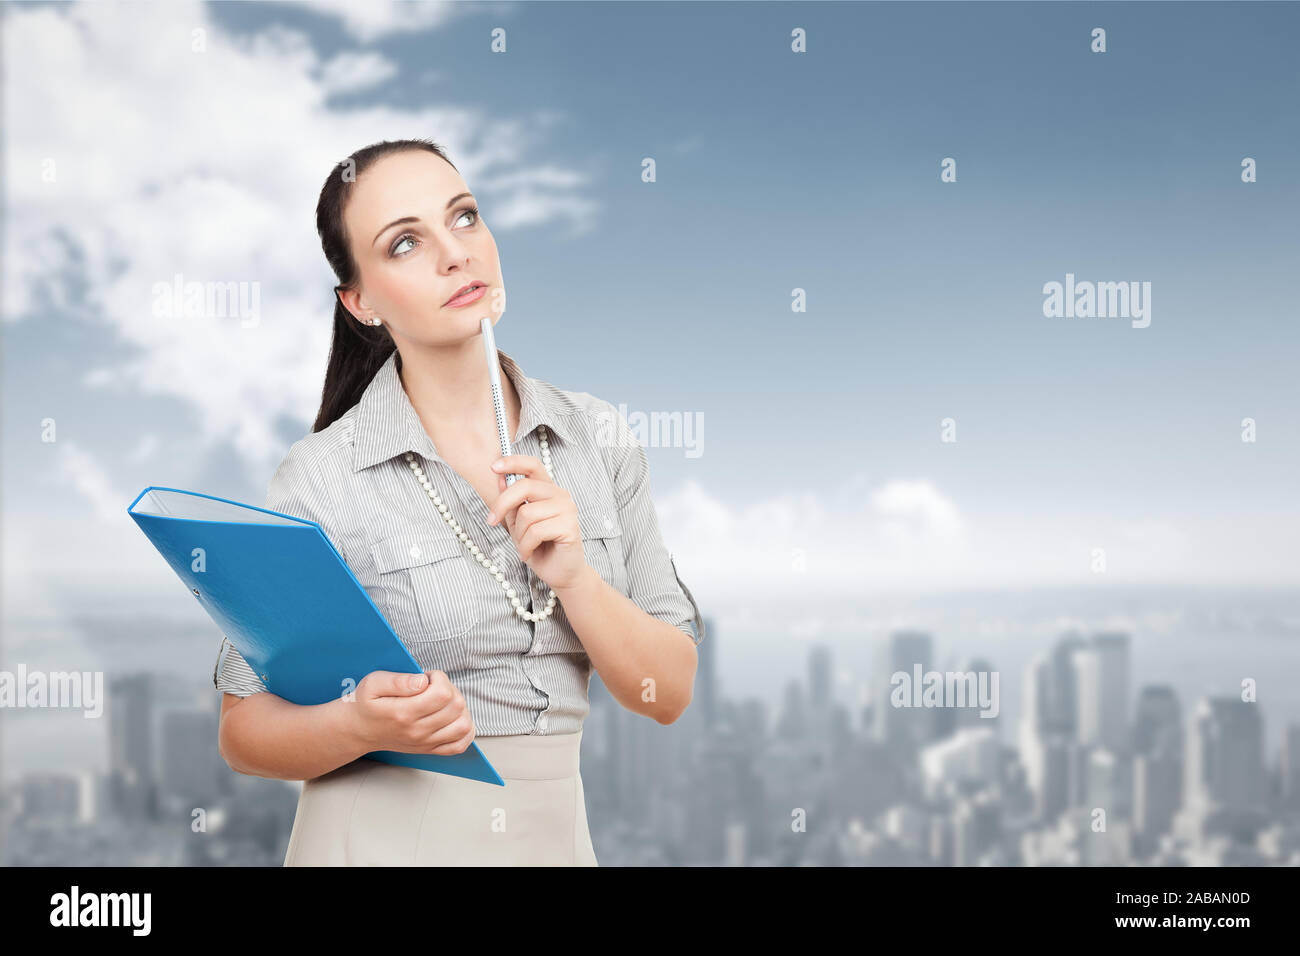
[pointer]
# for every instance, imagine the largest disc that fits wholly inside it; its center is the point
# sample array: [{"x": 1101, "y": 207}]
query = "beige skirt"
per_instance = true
[{"x": 368, "y": 813}]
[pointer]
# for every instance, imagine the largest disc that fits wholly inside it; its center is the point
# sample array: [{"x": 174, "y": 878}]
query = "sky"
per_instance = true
[{"x": 144, "y": 141}]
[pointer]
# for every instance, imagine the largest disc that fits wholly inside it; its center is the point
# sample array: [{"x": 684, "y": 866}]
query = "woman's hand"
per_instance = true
[
  {"x": 542, "y": 518},
  {"x": 411, "y": 713}
]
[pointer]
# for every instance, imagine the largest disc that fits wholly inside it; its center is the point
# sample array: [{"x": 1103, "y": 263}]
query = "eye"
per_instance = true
[{"x": 410, "y": 237}]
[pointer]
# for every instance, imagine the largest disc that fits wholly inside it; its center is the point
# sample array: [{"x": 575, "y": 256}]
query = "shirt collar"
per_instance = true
[{"x": 387, "y": 424}]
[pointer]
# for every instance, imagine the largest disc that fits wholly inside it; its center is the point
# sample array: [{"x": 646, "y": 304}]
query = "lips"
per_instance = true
[{"x": 463, "y": 289}]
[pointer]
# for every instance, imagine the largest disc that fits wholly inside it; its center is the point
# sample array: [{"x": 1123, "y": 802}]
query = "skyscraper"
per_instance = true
[
  {"x": 1225, "y": 759},
  {"x": 131, "y": 750},
  {"x": 902, "y": 728},
  {"x": 1101, "y": 669},
  {"x": 1109, "y": 784},
  {"x": 821, "y": 700},
  {"x": 1157, "y": 764},
  {"x": 1046, "y": 734},
  {"x": 1058, "y": 707}
]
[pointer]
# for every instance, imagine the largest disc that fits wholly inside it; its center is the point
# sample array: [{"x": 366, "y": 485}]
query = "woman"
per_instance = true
[{"x": 506, "y": 595}]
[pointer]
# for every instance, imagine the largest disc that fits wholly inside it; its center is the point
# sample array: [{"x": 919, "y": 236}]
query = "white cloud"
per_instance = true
[
  {"x": 372, "y": 19},
  {"x": 903, "y": 531},
  {"x": 132, "y": 158},
  {"x": 86, "y": 475},
  {"x": 353, "y": 71},
  {"x": 858, "y": 536},
  {"x": 917, "y": 509}
]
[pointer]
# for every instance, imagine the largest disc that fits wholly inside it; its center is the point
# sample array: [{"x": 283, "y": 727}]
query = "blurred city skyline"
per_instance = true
[
  {"x": 1202, "y": 642},
  {"x": 1105, "y": 768}
]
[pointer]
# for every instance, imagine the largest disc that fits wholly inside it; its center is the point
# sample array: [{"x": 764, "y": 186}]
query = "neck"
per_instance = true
[{"x": 451, "y": 392}]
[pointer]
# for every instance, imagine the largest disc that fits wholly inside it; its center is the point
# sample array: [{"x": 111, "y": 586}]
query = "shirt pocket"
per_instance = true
[
  {"x": 602, "y": 545},
  {"x": 429, "y": 597}
]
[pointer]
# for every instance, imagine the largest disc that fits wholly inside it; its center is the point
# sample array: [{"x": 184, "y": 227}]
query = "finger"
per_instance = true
[
  {"x": 529, "y": 466},
  {"x": 460, "y": 746},
  {"x": 395, "y": 684},
  {"x": 517, "y": 520},
  {"x": 453, "y": 728},
  {"x": 525, "y": 488},
  {"x": 523, "y": 520},
  {"x": 557, "y": 502},
  {"x": 439, "y": 722},
  {"x": 460, "y": 743},
  {"x": 552, "y": 529},
  {"x": 433, "y": 698},
  {"x": 521, "y": 466}
]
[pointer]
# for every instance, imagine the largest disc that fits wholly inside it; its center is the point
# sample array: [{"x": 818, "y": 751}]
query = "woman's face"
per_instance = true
[{"x": 410, "y": 269}]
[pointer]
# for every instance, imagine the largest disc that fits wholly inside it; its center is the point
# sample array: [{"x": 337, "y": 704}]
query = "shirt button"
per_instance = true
[
  {"x": 541, "y": 723},
  {"x": 609, "y": 525},
  {"x": 415, "y": 551}
]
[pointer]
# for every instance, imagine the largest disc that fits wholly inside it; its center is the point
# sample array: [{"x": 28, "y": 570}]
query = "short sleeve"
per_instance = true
[
  {"x": 232, "y": 675},
  {"x": 295, "y": 489},
  {"x": 695, "y": 627},
  {"x": 653, "y": 582}
]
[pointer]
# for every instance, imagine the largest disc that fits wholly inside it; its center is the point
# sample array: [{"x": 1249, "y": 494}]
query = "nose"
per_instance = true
[{"x": 454, "y": 255}]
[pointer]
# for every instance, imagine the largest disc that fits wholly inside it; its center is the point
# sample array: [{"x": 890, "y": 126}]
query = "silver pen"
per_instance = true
[{"x": 498, "y": 396}]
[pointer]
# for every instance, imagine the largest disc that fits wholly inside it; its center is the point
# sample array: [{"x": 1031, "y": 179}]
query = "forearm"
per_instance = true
[
  {"x": 267, "y": 736},
  {"x": 647, "y": 664}
]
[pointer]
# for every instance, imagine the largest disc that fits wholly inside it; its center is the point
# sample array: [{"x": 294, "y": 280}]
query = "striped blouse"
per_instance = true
[{"x": 517, "y": 677}]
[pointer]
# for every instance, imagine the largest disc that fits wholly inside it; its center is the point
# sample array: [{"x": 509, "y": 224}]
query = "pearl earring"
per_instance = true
[{"x": 376, "y": 321}]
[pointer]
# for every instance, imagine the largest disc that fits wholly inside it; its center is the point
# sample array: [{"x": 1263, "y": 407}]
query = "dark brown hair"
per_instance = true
[{"x": 357, "y": 351}]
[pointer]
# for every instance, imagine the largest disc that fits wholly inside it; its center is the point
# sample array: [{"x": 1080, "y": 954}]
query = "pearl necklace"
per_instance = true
[{"x": 475, "y": 552}]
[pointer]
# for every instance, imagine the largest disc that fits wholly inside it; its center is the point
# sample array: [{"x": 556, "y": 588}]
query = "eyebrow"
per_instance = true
[{"x": 397, "y": 222}]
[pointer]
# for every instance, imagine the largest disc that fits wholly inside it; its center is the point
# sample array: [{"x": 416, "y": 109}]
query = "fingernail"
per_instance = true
[
  {"x": 498, "y": 465},
  {"x": 491, "y": 518},
  {"x": 417, "y": 681}
]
